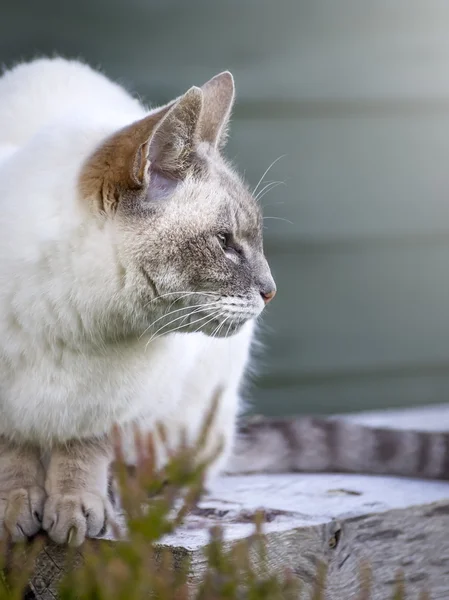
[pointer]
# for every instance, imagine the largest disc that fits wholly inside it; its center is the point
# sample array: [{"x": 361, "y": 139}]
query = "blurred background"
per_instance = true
[{"x": 351, "y": 101}]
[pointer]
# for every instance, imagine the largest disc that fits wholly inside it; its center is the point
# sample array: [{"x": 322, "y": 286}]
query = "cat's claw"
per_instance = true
[
  {"x": 71, "y": 518},
  {"x": 21, "y": 512}
]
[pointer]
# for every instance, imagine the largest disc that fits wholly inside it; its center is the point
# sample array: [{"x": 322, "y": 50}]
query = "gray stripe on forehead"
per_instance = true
[
  {"x": 243, "y": 218},
  {"x": 246, "y": 213}
]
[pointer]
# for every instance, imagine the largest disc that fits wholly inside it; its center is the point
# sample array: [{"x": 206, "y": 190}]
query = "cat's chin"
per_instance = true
[{"x": 228, "y": 329}]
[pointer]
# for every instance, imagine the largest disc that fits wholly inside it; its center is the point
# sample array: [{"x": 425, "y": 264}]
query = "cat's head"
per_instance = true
[{"x": 187, "y": 230}]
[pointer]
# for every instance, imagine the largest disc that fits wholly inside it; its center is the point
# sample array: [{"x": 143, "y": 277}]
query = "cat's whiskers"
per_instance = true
[
  {"x": 279, "y": 219},
  {"x": 216, "y": 331},
  {"x": 185, "y": 293},
  {"x": 192, "y": 312},
  {"x": 222, "y": 325},
  {"x": 273, "y": 204},
  {"x": 267, "y": 187},
  {"x": 212, "y": 319},
  {"x": 152, "y": 339},
  {"x": 266, "y": 172},
  {"x": 168, "y": 314},
  {"x": 229, "y": 327},
  {"x": 213, "y": 294}
]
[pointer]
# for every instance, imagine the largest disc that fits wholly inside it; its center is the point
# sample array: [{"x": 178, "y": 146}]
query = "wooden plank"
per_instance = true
[
  {"x": 291, "y": 49},
  {"x": 342, "y": 520},
  {"x": 372, "y": 518},
  {"x": 349, "y": 178}
]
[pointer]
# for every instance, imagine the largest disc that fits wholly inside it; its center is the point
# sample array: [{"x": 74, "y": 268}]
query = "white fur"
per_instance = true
[{"x": 58, "y": 271}]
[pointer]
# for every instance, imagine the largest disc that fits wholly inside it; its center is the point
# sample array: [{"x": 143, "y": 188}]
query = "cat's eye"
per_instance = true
[
  {"x": 228, "y": 244},
  {"x": 224, "y": 239}
]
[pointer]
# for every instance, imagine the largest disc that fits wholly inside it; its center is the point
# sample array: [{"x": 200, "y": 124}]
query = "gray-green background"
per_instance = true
[{"x": 355, "y": 94}]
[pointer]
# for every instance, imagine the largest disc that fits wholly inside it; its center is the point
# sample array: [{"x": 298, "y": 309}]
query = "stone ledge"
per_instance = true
[{"x": 343, "y": 520}]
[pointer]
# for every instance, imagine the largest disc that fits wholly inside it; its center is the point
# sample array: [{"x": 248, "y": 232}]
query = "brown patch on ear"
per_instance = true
[
  {"x": 219, "y": 94},
  {"x": 120, "y": 164},
  {"x": 165, "y": 140}
]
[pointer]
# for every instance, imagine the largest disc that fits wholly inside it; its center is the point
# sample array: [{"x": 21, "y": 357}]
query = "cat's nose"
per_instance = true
[{"x": 268, "y": 295}]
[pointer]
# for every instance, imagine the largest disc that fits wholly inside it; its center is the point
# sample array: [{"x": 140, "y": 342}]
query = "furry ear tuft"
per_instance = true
[
  {"x": 173, "y": 141},
  {"x": 219, "y": 95}
]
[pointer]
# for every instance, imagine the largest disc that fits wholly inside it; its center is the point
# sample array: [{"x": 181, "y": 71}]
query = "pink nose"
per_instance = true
[{"x": 268, "y": 296}]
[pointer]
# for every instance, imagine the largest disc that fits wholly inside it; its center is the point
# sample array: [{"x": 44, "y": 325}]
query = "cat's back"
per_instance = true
[{"x": 35, "y": 93}]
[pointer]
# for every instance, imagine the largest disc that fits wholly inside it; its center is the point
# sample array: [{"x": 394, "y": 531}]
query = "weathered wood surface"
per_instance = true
[{"x": 343, "y": 520}]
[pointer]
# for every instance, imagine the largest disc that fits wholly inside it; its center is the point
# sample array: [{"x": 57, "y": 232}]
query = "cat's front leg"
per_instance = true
[
  {"x": 77, "y": 487},
  {"x": 22, "y": 494}
]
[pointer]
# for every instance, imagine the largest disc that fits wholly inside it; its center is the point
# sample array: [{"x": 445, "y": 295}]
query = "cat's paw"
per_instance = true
[
  {"x": 21, "y": 511},
  {"x": 70, "y": 518}
]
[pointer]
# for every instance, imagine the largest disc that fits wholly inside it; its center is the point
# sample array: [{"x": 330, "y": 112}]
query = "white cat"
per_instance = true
[{"x": 131, "y": 274}]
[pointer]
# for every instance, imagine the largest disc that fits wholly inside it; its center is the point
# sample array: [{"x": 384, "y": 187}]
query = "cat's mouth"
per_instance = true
[
  {"x": 223, "y": 318},
  {"x": 224, "y": 327}
]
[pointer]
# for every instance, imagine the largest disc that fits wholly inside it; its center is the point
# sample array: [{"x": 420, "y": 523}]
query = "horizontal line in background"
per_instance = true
[
  {"x": 366, "y": 243},
  {"x": 330, "y": 108},
  {"x": 352, "y": 375}
]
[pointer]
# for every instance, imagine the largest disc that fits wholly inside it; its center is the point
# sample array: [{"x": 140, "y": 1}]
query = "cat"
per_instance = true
[{"x": 131, "y": 278}]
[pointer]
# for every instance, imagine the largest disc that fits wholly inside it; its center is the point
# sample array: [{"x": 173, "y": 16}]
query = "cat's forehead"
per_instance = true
[{"x": 229, "y": 194}]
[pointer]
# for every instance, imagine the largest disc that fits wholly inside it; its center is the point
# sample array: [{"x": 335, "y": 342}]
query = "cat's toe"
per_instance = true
[
  {"x": 21, "y": 511},
  {"x": 70, "y": 518}
]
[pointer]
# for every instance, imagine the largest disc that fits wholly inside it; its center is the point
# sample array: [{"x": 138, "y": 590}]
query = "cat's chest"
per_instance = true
[{"x": 81, "y": 395}]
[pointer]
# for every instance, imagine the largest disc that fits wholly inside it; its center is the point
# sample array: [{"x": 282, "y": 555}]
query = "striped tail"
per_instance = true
[{"x": 314, "y": 444}]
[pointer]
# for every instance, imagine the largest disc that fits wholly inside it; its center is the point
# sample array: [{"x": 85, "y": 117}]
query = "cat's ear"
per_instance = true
[
  {"x": 159, "y": 147},
  {"x": 172, "y": 143},
  {"x": 219, "y": 95}
]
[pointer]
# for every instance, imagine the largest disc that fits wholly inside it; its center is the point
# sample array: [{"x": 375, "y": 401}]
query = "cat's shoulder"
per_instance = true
[
  {"x": 37, "y": 92},
  {"x": 42, "y": 72}
]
